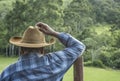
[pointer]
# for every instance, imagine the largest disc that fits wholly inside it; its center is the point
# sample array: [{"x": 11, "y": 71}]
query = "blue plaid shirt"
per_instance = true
[{"x": 50, "y": 67}]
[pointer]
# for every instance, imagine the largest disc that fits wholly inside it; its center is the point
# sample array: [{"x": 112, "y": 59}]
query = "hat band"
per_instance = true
[{"x": 32, "y": 42}]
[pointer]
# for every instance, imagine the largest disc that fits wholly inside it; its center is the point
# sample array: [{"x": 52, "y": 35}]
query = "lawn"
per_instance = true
[
  {"x": 96, "y": 74},
  {"x": 90, "y": 73},
  {"x": 5, "y": 61}
]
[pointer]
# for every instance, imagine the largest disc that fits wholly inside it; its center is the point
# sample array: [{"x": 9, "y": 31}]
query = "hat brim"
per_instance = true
[{"x": 17, "y": 41}]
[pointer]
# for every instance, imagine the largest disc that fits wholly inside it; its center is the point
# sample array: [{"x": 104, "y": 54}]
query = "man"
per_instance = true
[{"x": 33, "y": 65}]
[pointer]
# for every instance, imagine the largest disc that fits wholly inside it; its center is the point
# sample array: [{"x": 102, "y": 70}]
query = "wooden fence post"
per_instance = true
[{"x": 78, "y": 69}]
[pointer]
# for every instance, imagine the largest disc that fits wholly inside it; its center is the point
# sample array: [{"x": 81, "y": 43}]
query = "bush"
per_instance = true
[
  {"x": 87, "y": 56},
  {"x": 116, "y": 59},
  {"x": 105, "y": 59},
  {"x": 98, "y": 63},
  {"x": 89, "y": 63},
  {"x": 116, "y": 63}
]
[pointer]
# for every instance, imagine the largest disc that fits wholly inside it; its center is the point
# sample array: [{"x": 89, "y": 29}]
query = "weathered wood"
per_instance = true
[{"x": 78, "y": 69}]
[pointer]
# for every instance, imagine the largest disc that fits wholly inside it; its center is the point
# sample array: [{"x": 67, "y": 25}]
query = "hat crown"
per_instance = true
[
  {"x": 32, "y": 35},
  {"x": 32, "y": 38}
]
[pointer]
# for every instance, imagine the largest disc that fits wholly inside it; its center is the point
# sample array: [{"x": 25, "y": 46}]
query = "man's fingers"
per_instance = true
[{"x": 43, "y": 30}]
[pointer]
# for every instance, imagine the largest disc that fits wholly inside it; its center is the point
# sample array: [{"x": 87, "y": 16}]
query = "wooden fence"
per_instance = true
[{"x": 78, "y": 69}]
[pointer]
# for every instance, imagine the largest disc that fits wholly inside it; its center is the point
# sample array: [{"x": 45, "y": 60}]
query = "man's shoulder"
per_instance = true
[{"x": 9, "y": 70}]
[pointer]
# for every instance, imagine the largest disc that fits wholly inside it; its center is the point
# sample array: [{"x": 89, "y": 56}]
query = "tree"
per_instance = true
[
  {"x": 106, "y": 11},
  {"x": 4, "y": 9},
  {"x": 116, "y": 37},
  {"x": 76, "y": 16},
  {"x": 28, "y": 12}
]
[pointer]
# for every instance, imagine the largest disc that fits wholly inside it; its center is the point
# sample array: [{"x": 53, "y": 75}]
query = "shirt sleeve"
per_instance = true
[
  {"x": 62, "y": 60},
  {"x": 73, "y": 47}
]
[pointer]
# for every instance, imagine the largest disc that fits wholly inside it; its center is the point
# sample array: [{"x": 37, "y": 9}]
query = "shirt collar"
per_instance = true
[{"x": 30, "y": 55}]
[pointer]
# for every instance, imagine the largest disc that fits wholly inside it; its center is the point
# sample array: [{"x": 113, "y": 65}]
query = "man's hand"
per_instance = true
[{"x": 46, "y": 29}]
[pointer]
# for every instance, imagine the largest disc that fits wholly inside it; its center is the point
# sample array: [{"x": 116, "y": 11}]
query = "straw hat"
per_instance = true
[{"x": 31, "y": 38}]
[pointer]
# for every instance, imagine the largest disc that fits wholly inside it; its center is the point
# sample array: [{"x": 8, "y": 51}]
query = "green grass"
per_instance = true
[
  {"x": 95, "y": 74},
  {"x": 90, "y": 73},
  {"x": 5, "y": 61}
]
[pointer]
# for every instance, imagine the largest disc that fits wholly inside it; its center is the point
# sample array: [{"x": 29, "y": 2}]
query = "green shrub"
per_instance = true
[
  {"x": 88, "y": 63},
  {"x": 87, "y": 56},
  {"x": 116, "y": 60},
  {"x": 98, "y": 63},
  {"x": 116, "y": 63},
  {"x": 105, "y": 58}
]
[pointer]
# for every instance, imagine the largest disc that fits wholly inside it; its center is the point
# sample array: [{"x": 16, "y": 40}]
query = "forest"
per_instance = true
[{"x": 94, "y": 22}]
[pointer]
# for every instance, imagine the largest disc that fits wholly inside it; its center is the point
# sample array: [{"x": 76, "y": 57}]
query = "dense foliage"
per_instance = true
[{"x": 94, "y": 22}]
